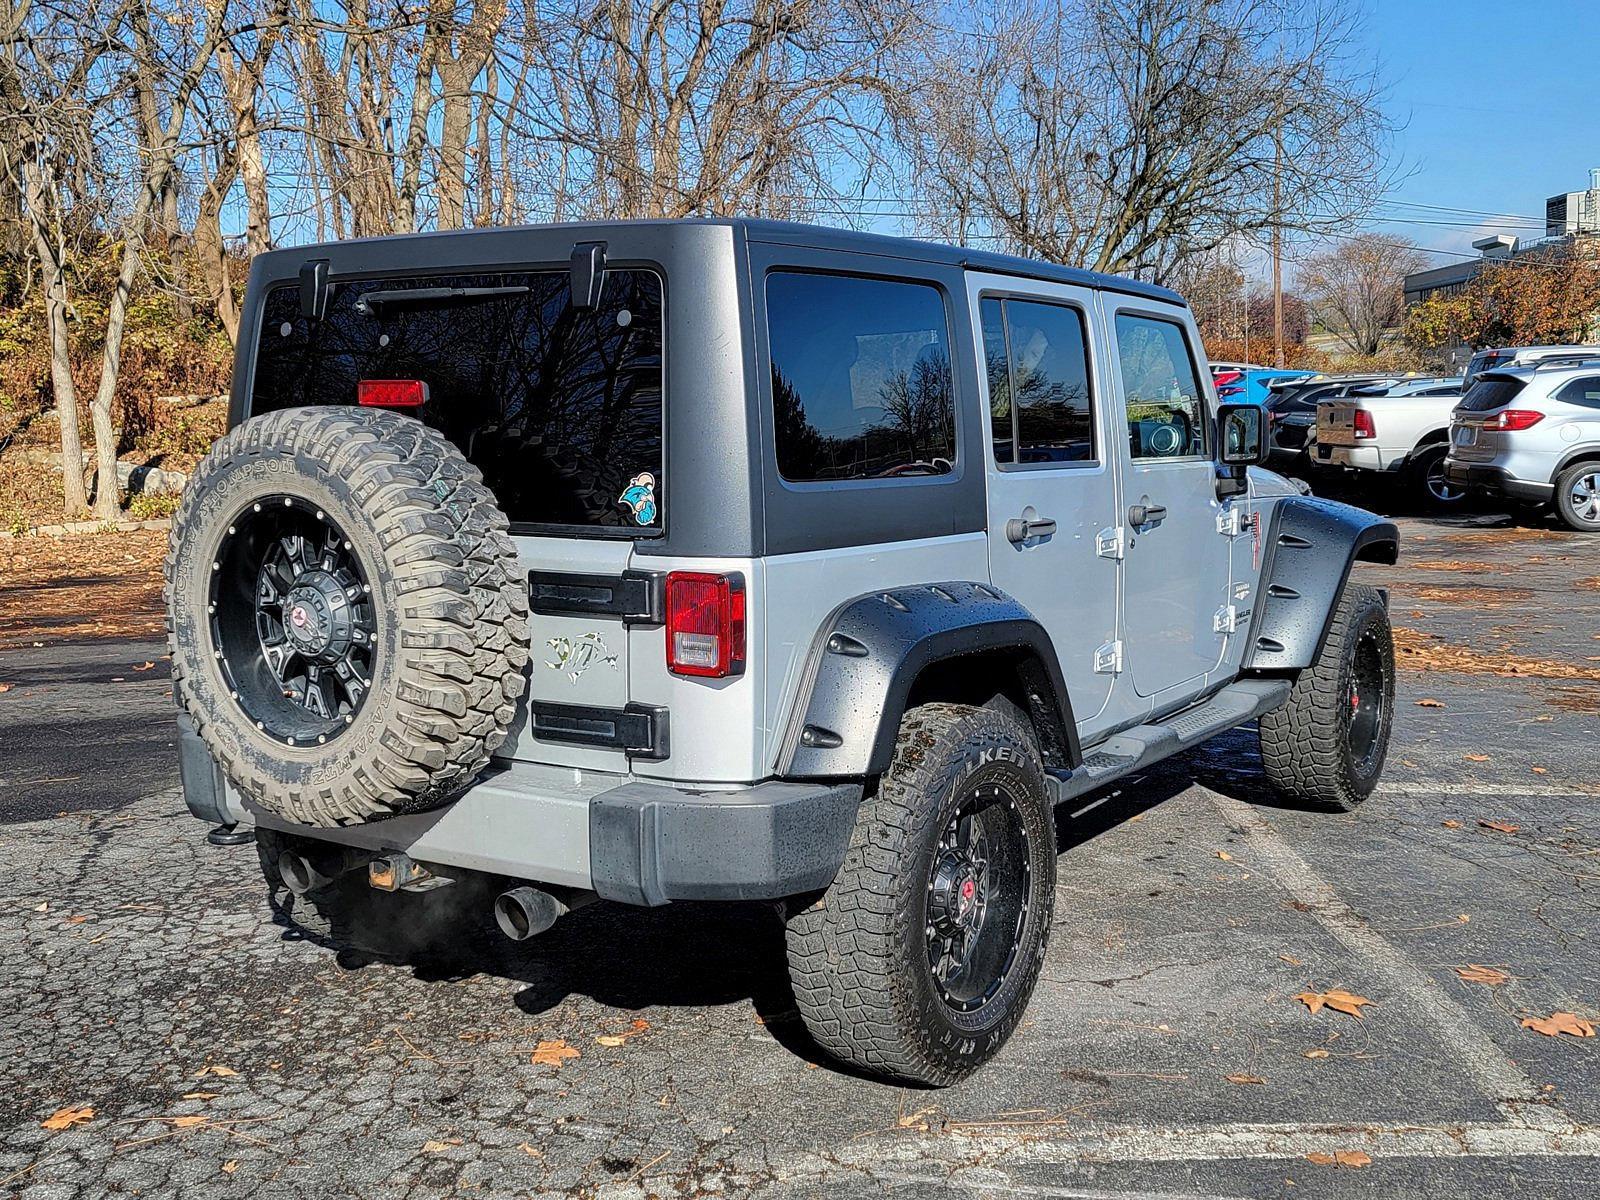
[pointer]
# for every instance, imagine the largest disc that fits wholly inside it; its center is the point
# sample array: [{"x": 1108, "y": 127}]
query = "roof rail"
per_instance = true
[{"x": 1571, "y": 360}]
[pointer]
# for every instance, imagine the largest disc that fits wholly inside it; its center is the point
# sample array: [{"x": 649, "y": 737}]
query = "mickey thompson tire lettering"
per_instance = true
[
  {"x": 450, "y": 641},
  {"x": 858, "y": 958}
]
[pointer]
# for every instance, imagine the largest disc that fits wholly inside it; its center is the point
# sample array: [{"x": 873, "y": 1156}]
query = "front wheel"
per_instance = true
[
  {"x": 918, "y": 961},
  {"x": 1328, "y": 743}
]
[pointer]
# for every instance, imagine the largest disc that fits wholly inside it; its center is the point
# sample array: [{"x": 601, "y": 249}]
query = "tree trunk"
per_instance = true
[
  {"x": 75, "y": 498},
  {"x": 210, "y": 248}
]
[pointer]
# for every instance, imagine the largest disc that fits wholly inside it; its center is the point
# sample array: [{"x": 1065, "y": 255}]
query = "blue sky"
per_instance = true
[{"x": 1499, "y": 106}]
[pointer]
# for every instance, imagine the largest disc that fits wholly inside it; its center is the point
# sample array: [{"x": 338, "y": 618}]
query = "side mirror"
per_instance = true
[{"x": 1241, "y": 435}]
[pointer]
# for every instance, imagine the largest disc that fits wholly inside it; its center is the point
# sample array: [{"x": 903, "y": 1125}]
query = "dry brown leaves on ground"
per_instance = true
[
  {"x": 1417, "y": 651},
  {"x": 1559, "y": 1023},
  {"x": 1478, "y": 973},
  {"x": 1335, "y": 998},
  {"x": 1478, "y": 597},
  {"x": 553, "y": 1053},
  {"x": 621, "y": 1039},
  {"x": 91, "y": 585},
  {"x": 66, "y": 1118},
  {"x": 1340, "y": 1158},
  {"x": 1498, "y": 826},
  {"x": 1515, "y": 533},
  {"x": 1452, "y": 564}
]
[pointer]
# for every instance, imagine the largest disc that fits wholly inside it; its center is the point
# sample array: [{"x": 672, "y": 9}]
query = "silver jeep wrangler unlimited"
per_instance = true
[{"x": 734, "y": 560}]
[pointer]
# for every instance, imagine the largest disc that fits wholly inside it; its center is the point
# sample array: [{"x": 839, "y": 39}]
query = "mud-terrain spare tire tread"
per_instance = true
[
  {"x": 1305, "y": 748},
  {"x": 850, "y": 952},
  {"x": 460, "y": 624}
]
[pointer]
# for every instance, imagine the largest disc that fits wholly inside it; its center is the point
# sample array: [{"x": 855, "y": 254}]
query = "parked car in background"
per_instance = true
[
  {"x": 1291, "y": 406},
  {"x": 1400, "y": 430},
  {"x": 1498, "y": 357},
  {"x": 1248, "y": 385},
  {"x": 1532, "y": 434}
]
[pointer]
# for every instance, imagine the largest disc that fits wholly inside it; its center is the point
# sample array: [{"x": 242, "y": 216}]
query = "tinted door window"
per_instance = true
[
  {"x": 560, "y": 408},
  {"x": 1040, "y": 408},
  {"x": 1166, "y": 412},
  {"x": 861, "y": 385}
]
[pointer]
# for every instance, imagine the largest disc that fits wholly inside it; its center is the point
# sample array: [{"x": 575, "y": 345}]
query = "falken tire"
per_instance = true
[
  {"x": 1327, "y": 745},
  {"x": 445, "y": 612},
  {"x": 859, "y": 956}
]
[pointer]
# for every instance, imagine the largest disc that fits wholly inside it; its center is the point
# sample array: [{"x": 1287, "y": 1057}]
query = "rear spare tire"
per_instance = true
[{"x": 347, "y": 623}]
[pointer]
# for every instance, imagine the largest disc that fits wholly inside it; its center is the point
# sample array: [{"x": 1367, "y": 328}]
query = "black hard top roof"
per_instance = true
[{"x": 794, "y": 233}]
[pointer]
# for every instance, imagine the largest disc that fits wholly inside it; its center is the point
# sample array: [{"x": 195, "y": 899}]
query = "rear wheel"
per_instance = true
[
  {"x": 919, "y": 960},
  {"x": 1578, "y": 497},
  {"x": 1428, "y": 482},
  {"x": 1328, "y": 743}
]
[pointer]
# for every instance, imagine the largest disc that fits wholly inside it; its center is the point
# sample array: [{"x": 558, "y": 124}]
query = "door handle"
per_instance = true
[
  {"x": 1140, "y": 515},
  {"x": 1020, "y": 529}
]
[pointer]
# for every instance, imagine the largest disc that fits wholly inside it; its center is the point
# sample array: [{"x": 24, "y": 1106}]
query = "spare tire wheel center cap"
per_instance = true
[{"x": 319, "y": 621}]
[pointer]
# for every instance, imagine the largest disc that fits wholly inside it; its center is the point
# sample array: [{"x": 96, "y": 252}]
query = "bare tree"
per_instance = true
[
  {"x": 1356, "y": 290},
  {"x": 1126, "y": 136}
]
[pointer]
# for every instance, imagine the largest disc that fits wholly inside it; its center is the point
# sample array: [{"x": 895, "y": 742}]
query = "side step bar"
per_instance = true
[{"x": 1139, "y": 747}]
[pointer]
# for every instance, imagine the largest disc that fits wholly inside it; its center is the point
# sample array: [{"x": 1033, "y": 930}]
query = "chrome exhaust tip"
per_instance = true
[{"x": 525, "y": 912}]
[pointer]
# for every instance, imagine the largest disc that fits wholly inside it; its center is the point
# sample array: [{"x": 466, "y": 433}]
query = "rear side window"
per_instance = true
[
  {"x": 1037, "y": 360},
  {"x": 1584, "y": 391},
  {"x": 861, "y": 384},
  {"x": 1488, "y": 394},
  {"x": 560, "y": 408},
  {"x": 1166, "y": 415}
]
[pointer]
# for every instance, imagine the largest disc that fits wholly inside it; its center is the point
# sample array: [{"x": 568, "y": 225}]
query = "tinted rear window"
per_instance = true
[
  {"x": 1488, "y": 394},
  {"x": 560, "y": 408}
]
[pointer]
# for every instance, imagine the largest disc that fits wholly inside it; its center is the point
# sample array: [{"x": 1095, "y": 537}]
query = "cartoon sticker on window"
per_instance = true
[{"x": 640, "y": 498}]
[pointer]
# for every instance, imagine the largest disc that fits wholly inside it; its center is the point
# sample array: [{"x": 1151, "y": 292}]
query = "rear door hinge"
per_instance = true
[
  {"x": 1108, "y": 659},
  {"x": 1111, "y": 543},
  {"x": 1228, "y": 618}
]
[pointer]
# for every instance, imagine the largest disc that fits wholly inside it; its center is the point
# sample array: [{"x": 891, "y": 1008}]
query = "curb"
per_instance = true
[{"x": 73, "y": 528}]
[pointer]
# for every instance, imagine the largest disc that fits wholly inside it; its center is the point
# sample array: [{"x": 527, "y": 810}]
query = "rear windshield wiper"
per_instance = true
[{"x": 433, "y": 296}]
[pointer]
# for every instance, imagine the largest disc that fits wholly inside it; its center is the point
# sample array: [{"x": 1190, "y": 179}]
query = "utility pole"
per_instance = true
[{"x": 1277, "y": 246}]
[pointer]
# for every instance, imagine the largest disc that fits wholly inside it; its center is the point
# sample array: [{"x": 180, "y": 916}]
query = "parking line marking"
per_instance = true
[
  {"x": 1500, "y": 1079},
  {"x": 1215, "y": 1143},
  {"x": 1455, "y": 790}
]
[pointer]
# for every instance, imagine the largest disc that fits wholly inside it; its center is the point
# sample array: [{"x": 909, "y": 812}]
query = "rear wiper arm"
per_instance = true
[{"x": 434, "y": 296}]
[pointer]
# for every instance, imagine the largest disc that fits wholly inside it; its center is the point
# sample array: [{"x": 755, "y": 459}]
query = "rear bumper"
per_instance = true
[
  {"x": 1489, "y": 480},
  {"x": 627, "y": 840},
  {"x": 1360, "y": 458}
]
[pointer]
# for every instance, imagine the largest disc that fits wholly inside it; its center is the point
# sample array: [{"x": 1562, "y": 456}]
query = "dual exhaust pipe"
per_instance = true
[{"x": 521, "y": 913}]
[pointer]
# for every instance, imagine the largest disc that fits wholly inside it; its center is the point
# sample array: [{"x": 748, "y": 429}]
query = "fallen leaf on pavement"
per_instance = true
[
  {"x": 1339, "y": 1158},
  {"x": 553, "y": 1053},
  {"x": 1544, "y": 717},
  {"x": 188, "y": 1122},
  {"x": 1244, "y": 1079},
  {"x": 1451, "y": 824},
  {"x": 201, "y": 1095},
  {"x": 432, "y": 1147},
  {"x": 6, "y": 687},
  {"x": 1335, "y": 998},
  {"x": 1540, "y": 771},
  {"x": 1319, "y": 1052},
  {"x": 1499, "y": 826},
  {"x": 620, "y": 1039},
  {"x": 1290, "y": 959},
  {"x": 214, "y": 1069},
  {"x": 1430, "y": 703},
  {"x": 530, "y": 1151},
  {"x": 1477, "y": 973},
  {"x": 916, "y": 1120},
  {"x": 1476, "y": 757},
  {"x": 229, "y": 1167},
  {"x": 66, "y": 1118},
  {"x": 1224, "y": 856},
  {"x": 144, "y": 666},
  {"x": 1561, "y": 1022},
  {"x": 44, "y": 906}
]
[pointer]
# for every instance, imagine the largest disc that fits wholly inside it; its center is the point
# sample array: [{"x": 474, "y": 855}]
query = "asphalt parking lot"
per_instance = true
[{"x": 143, "y": 976}]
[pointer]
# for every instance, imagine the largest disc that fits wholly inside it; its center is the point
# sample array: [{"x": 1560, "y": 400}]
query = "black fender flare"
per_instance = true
[
  {"x": 869, "y": 653},
  {"x": 1309, "y": 548}
]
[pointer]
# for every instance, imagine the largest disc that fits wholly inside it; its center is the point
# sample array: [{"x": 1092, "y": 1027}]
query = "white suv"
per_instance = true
[{"x": 1532, "y": 434}]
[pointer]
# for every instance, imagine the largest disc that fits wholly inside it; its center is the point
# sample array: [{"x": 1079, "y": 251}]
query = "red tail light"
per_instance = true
[
  {"x": 705, "y": 624},
  {"x": 1363, "y": 424},
  {"x": 1513, "y": 419},
  {"x": 392, "y": 393}
]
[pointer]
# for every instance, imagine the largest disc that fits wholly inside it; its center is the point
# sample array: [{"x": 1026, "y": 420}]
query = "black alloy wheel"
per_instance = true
[
  {"x": 978, "y": 890},
  {"x": 293, "y": 623},
  {"x": 1366, "y": 699}
]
